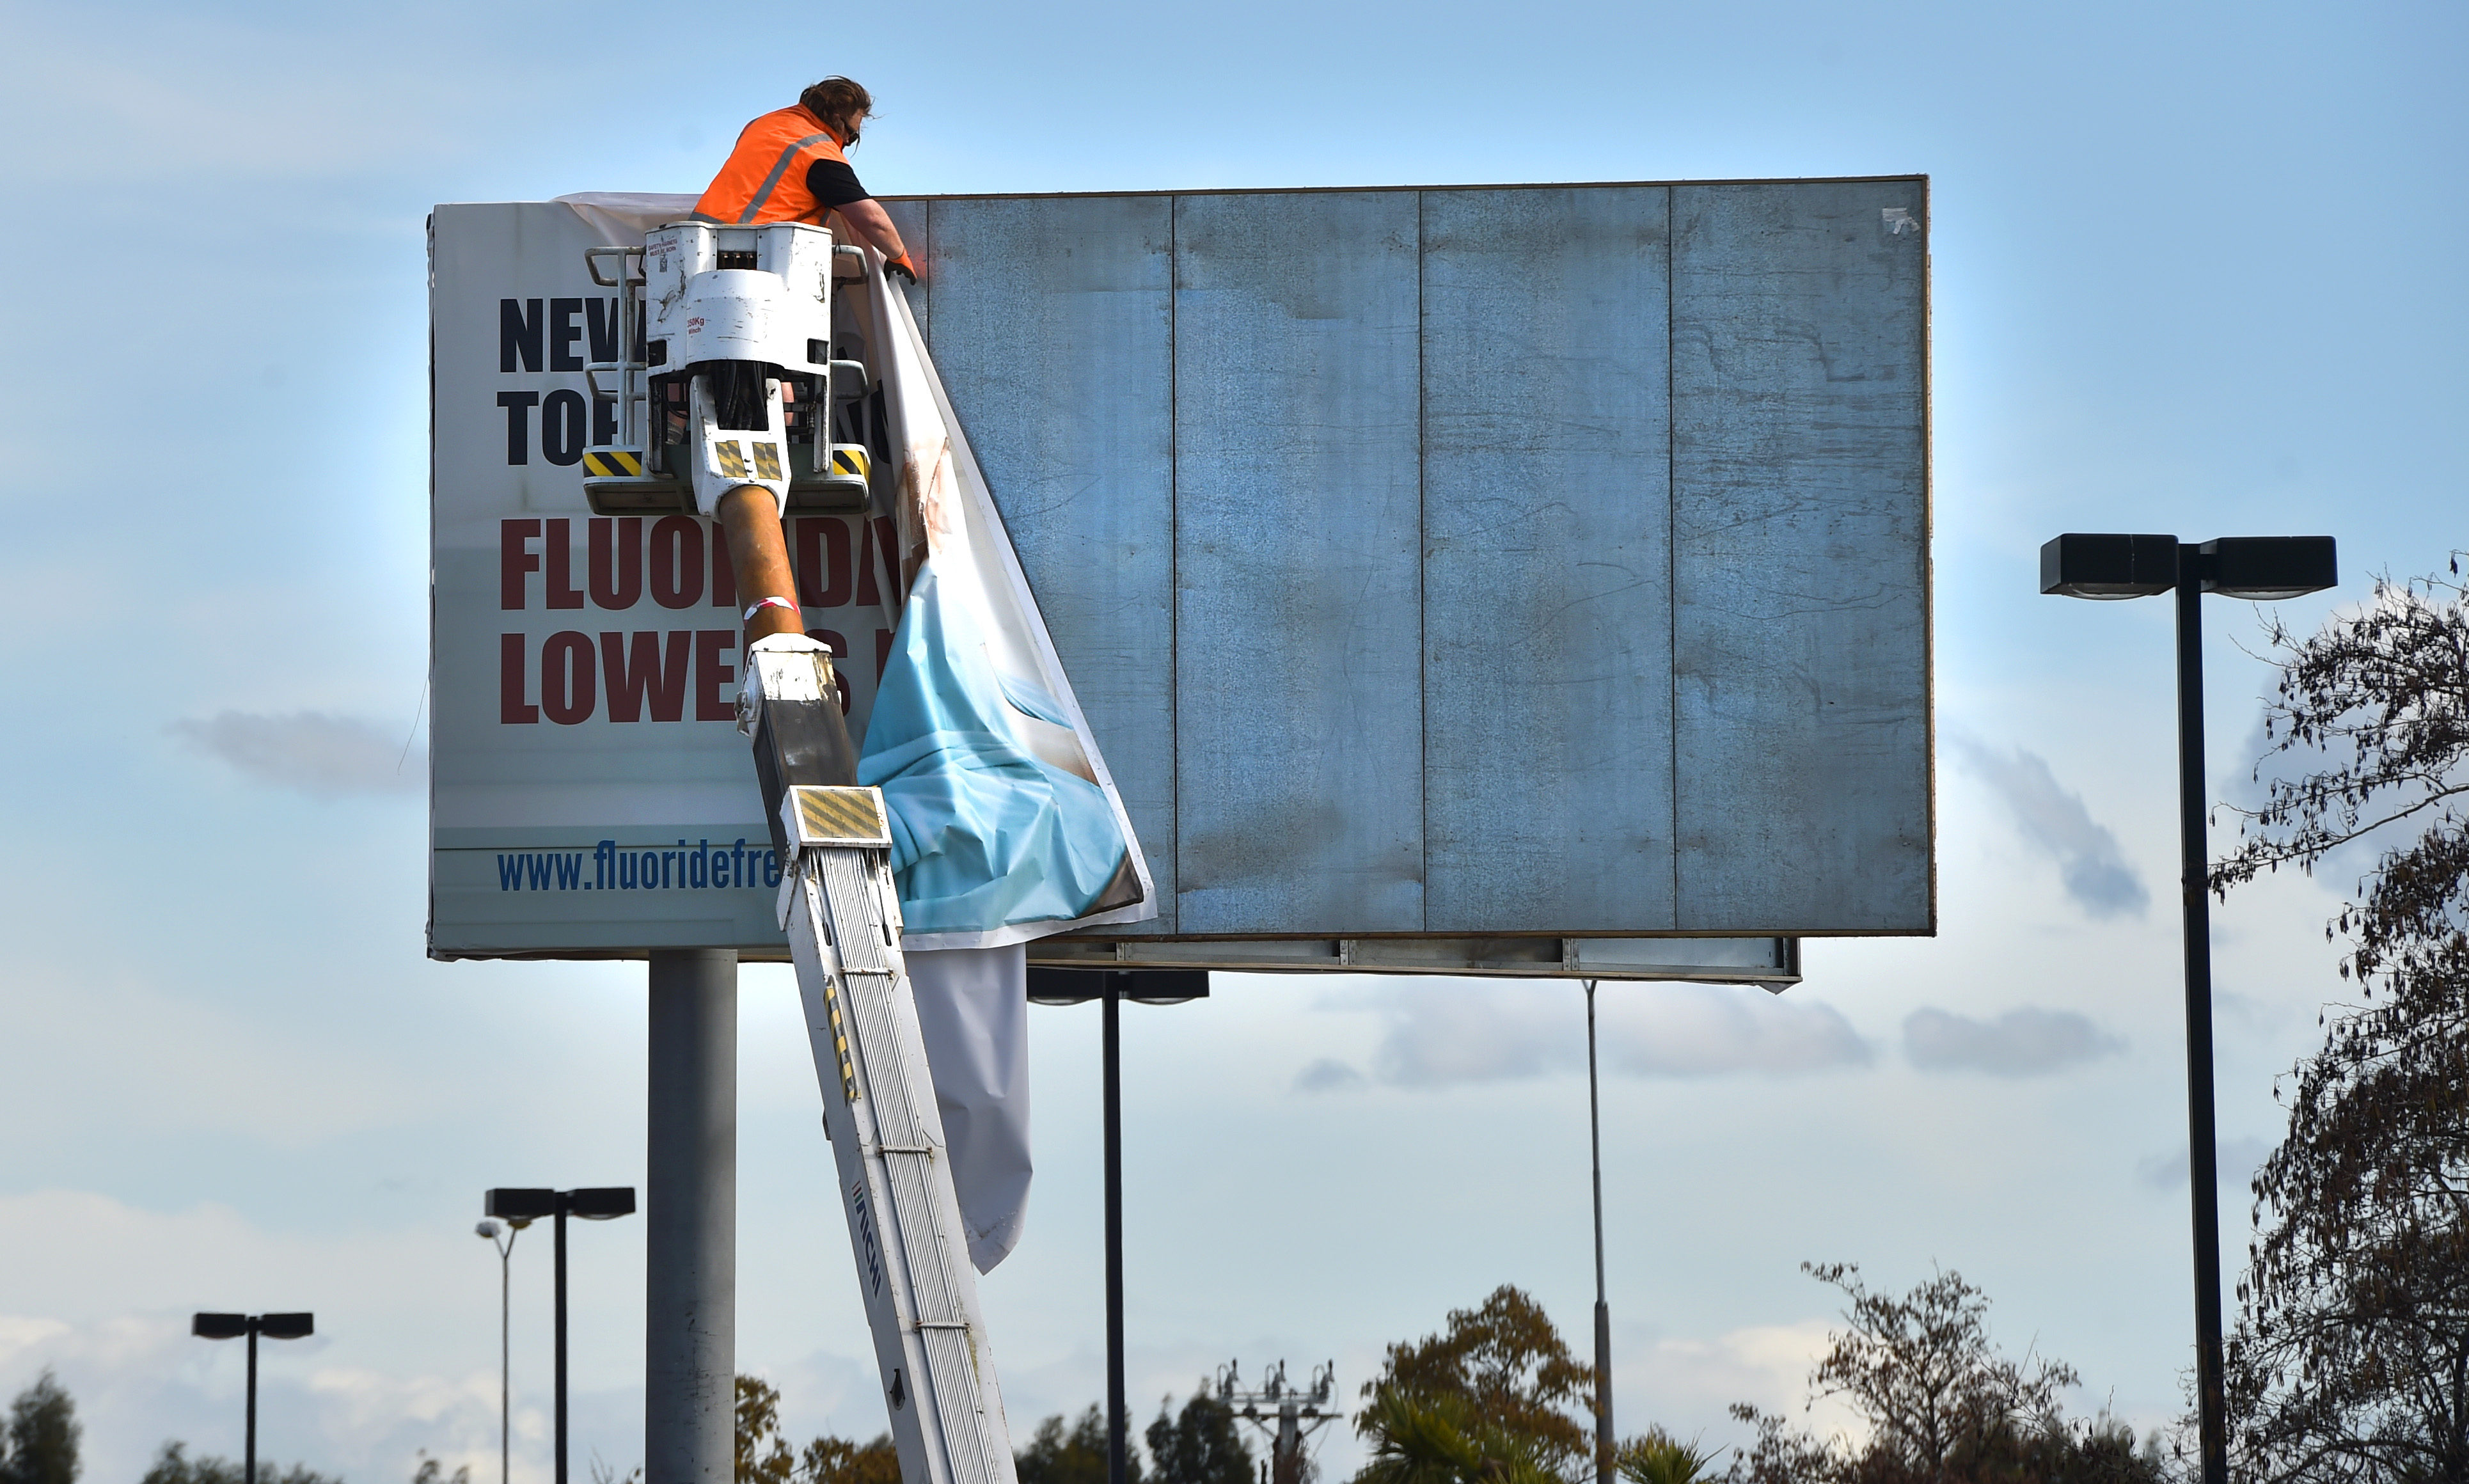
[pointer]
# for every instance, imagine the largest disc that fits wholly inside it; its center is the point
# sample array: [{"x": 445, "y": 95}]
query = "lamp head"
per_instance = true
[
  {"x": 601, "y": 1203},
  {"x": 2269, "y": 568},
  {"x": 287, "y": 1326},
  {"x": 520, "y": 1204},
  {"x": 2109, "y": 567},
  {"x": 488, "y": 1229},
  {"x": 218, "y": 1326}
]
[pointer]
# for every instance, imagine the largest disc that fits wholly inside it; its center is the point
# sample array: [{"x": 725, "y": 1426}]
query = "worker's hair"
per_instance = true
[{"x": 842, "y": 104}]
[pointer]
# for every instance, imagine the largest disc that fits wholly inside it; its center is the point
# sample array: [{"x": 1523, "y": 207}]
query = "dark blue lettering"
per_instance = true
[
  {"x": 560, "y": 428},
  {"x": 569, "y": 870},
  {"x": 518, "y": 423},
  {"x": 510, "y": 872},
  {"x": 563, "y": 332},
  {"x": 519, "y": 322},
  {"x": 601, "y": 315}
]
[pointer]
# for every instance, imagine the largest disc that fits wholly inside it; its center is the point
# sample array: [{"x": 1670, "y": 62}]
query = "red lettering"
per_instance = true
[
  {"x": 566, "y": 680},
  {"x": 616, "y": 575},
  {"x": 886, "y": 545},
  {"x": 723, "y": 577},
  {"x": 712, "y": 676},
  {"x": 558, "y": 580},
  {"x": 869, "y": 592},
  {"x": 513, "y": 710},
  {"x": 513, "y": 560},
  {"x": 677, "y": 561},
  {"x": 824, "y": 569},
  {"x": 641, "y": 672}
]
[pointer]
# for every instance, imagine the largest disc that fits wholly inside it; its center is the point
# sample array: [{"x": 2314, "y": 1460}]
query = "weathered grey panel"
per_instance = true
[
  {"x": 1547, "y": 614},
  {"x": 915, "y": 220},
  {"x": 1800, "y": 533},
  {"x": 1066, "y": 390},
  {"x": 1297, "y": 638}
]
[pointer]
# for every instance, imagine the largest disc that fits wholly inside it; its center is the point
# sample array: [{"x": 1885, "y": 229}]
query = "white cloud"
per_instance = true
[
  {"x": 2023, "y": 1042},
  {"x": 1717, "y": 1029},
  {"x": 320, "y": 755},
  {"x": 1328, "y": 1073},
  {"x": 1443, "y": 1033},
  {"x": 2093, "y": 866},
  {"x": 2236, "y": 1158}
]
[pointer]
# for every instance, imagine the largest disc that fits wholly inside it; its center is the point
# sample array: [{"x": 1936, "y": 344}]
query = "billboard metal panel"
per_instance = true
[
  {"x": 1066, "y": 306},
  {"x": 1449, "y": 562},
  {"x": 1547, "y": 504},
  {"x": 1801, "y": 639},
  {"x": 1299, "y": 697}
]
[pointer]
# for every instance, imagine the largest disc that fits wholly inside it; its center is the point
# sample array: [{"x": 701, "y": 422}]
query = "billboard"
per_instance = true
[{"x": 1452, "y": 565}]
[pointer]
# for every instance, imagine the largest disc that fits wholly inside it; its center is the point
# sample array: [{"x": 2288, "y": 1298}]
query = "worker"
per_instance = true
[{"x": 790, "y": 166}]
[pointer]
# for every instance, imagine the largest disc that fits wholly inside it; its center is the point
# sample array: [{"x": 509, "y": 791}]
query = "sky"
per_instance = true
[{"x": 2196, "y": 270}]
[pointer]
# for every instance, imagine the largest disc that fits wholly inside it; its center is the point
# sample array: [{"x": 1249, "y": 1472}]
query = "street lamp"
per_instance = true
[
  {"x": 2266, "y": 568},
  {"x": 232, "y": 1327},
  {"x": 595, "y": 1203},
  {"x": 1606, "y": 1448},
  {"x": 488, "y": 1230}
]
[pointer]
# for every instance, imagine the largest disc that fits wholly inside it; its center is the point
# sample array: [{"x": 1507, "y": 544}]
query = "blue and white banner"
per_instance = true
[{"x": 1006, "y": 826}]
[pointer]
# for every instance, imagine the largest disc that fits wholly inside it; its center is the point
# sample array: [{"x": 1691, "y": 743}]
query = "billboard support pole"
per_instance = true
[{"x": 690, "y": 1205}]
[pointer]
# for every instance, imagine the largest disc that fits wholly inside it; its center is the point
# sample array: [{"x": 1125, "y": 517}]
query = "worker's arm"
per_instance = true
[
  {"x": 873, "y": 228},
  {"x": 836, "y": 188}
]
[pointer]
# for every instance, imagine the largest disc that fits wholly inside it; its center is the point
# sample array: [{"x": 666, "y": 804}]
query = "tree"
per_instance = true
[
  {"x": 173, "y": 1465},
  {"x": 1077, "y": 1456},
  {"x": 1440, "y": 1438},
  {"x": 1199, "y": 1446},
  {"x": 431, "y": 1471},
  {"x": 1655, "y": 1456},
  {"x": 763, "y": 1455},
  {"x": 1942, "y": 1403},
  {"x": 2350, "y": 1358},
  {"x": 41, "y": 1447},
  {"x": 1499, "y": 1379},
  {"x": 830, "y": 1460}
]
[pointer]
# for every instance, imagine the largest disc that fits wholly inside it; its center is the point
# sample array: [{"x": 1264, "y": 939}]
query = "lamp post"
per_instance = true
[
  {"x": 488, "y": 1231},
  {"x": 1606, "y": 1446},
  {"x": 233, "y": 1326},
  {"x": 1111, "y": 987},
  {"x": 593, "y": 1203},
  {"x": 2266, "y": 568}
]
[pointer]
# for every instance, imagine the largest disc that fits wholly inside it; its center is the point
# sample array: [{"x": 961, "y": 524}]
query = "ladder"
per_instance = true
[{"x": 842, "y": 912}]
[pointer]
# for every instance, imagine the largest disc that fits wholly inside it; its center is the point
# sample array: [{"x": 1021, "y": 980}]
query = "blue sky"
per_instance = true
[{"x": 2195, "y": 270}]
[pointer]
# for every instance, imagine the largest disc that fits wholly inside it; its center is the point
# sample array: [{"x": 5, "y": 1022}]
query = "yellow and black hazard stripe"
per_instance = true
[
  {"x": 766, "y": 460},
  {"x": 853, "y": 816},
  {"x": 850, "y": 460},
  {"x": 840, "y": 1040},
  {"x": 732, "y": 459},
  {"x": 612, "y": 462}
]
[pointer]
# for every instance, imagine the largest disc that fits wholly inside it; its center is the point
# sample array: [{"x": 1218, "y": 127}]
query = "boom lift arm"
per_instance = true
[{"x": 737, "y": 332}]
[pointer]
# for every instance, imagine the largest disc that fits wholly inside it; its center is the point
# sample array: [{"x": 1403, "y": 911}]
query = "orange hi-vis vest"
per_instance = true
[{"x": 765, "y": 179}]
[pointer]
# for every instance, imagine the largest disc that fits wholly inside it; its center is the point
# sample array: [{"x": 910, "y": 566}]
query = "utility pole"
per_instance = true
[{"x": 1288, "y": 1414}]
